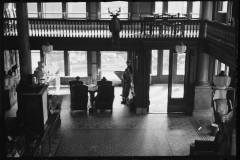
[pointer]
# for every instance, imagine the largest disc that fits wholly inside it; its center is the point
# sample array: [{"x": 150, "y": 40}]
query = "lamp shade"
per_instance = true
[
  {"x": 180, "y": 48},
  {"x": 221, "y": 81},
  {"x": 47, "y": 48}
]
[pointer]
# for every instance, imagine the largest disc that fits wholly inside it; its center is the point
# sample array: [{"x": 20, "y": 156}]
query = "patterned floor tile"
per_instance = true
[{"x": 114, "y": 142}]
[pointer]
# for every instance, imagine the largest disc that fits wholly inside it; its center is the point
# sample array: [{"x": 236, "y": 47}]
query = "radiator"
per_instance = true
[{"x": 66, "y": 79}]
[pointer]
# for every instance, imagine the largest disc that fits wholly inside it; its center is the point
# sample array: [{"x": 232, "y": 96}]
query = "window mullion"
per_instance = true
[
  {"x": 88, "y": 10},
  {"x": 64, "y": 10},
  {"x": 189, "y": 9},
  {"x": 152, "y": 7},
  {"x": 39, "y": 10},
  {"x": 165, "y": 6}
]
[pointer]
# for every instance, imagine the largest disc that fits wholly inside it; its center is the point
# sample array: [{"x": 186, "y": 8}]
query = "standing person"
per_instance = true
[
  {"x": 130, "y": 68},
  {"x": 126, "y": 85}
]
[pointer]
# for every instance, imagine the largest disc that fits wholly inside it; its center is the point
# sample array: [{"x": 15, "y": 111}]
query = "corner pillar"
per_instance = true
[{"x": 23, "y": 41}]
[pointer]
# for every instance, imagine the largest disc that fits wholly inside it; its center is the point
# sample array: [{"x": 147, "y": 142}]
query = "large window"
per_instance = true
[
  {"x": 32, "y": 10},
  {"x": 175, "y": 7},
  {"x": 159, "y": 7},
  {"x": 35, "y": 56},
  {"x": 52, "y": 10},
  {"x": 76, "y": 10},
  {"x": 165, "y": 69},
  {"x": 154, "y": 62},
  {"x": 78, "y": 63},
  {"x": 113, "y": 7},
  {"x": 55, "y": 59},
  {"x": 224, "y": 6},
  {"x": 196, "y": 9}
]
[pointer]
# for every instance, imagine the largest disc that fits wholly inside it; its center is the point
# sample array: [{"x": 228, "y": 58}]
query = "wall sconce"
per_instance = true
[
  {"x": 180, "y": 48},
  {"x": 221, "y": 81}
]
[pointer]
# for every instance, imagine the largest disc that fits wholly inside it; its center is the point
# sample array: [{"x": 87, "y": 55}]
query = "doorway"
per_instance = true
[{"x": 167, "y": 88}]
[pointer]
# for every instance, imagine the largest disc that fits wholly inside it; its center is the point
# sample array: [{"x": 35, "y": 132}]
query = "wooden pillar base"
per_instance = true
[{"x": 203, "y": 101}]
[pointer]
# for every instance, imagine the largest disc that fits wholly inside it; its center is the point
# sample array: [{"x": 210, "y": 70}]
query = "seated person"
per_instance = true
[
  {"x": 77, "y": 78},
  {"x": 104, "y": 79}
]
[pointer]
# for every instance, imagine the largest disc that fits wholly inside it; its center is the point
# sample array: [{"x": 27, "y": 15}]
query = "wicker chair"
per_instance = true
[{"x": 79, "y": 97}]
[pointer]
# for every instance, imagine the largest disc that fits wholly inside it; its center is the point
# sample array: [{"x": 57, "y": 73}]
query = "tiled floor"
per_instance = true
[
  {"x": 157, "y": 134},
  {"x": 176, "y": 129}
]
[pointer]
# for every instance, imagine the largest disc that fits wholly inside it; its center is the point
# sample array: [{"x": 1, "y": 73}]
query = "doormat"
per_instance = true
[
  {"x": 202, "y": 125},
  {"x": 113, "y": 142}
]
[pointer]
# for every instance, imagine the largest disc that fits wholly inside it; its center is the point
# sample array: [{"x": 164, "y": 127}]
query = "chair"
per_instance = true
[
  {"x": 202, "y": 147},
  {"x": 221, "y": 108},
  {"x": 105, "y": 97},
  {"x": 224, "y": 117},
  {"x": 104, "y": 82},
  {"x": 79, "y": 97},
  {"x": 73, "y": 82}
]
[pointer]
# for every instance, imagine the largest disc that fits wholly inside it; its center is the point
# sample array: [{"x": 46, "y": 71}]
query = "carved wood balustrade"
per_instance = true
[{"x": 100, "y": 28}]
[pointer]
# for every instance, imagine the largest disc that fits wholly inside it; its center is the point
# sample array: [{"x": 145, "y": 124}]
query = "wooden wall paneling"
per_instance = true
[{"x": 220, "y": 54}]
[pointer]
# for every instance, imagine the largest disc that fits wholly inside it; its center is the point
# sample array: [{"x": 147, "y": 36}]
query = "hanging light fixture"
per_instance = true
[
  {"x": 47, "y": 48},
  {"x": 180, "y": 48},
  {"x": 221, "y": 81}
]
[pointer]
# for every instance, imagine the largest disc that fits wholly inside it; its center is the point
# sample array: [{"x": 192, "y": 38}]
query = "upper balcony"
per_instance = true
[{"x": 146, "y": 29}]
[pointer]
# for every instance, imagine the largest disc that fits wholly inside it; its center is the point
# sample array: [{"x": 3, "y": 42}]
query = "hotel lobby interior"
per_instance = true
[{"x": 182, "y": 97}]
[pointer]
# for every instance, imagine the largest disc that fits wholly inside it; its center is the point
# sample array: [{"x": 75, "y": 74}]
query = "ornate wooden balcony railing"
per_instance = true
[
  {"x": 100, "y": 28},
  {"x": 221, "y": 34}
]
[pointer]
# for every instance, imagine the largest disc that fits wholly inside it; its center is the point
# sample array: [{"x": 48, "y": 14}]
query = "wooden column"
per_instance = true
[
  {"x": 23, "y": 41},
  {"x": 89, "y": 63},
  {"x": 2, "y": 111},
  {"x": 140, "y": 82},
  {"x": 66, "y": 63},
  {"x": 202, "y": 69},
  {"x": 203, "y": 90},
  {"x": 147, "y": 60}
]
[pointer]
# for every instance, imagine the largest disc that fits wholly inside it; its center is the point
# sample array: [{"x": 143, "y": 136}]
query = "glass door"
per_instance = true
[{"x": 177, "y": 82}]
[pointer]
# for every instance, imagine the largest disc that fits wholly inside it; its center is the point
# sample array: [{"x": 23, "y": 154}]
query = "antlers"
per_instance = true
[
  {"x": 109, "y": 11},
  {"x": 115, "y": 10}
]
